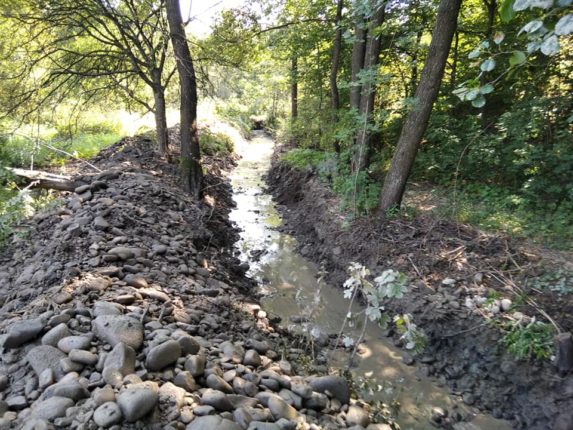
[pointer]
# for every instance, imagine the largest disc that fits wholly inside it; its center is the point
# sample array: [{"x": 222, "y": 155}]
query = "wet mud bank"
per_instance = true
[{"x": 450, "y": 267}]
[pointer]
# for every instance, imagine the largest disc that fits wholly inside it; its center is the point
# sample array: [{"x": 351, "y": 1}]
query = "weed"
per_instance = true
[
  {"x": 532, "y": 340},
  {"x": 215, "y": 143}
]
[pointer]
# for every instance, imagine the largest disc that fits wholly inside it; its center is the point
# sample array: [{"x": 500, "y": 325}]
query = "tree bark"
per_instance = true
[
  {"x": 358, "y": 52},
  {"x": 45, "y": 180},
  {"x": 334, "y": 94},
  {"x": 294, "y": 88},
  {"x": 363, "y": 145},
  {"x": 191, "y": 171},
  {"x": 417, "y": 120},
  {"x": 160, "y": 114}
]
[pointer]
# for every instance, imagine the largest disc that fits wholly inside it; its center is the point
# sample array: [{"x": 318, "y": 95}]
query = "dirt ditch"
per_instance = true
[{"x": 461, "y": 279}]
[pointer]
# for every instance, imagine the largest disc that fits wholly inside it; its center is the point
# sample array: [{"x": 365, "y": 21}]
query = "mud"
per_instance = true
[{"x": 452, "y": 268}]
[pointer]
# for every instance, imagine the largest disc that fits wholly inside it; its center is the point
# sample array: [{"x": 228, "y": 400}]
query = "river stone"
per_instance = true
[
  {"x": 252, "y": 358},
  {"x": 281, "y": 409},
  {"x": 186, "y": 381},
  {"x": 21, "y": 332},
  {"x": 213, "y": 422},
  {"x": 302, "y": 389},
  {"x": 74, "y": 342},
  {"x": 112, "y": 376},
  {"x": 121, "y": 358},
  {"x": 53, "y": 336},
  {"x": 318, "y": 401},
  {"x": 195, "y": 364},
  {"x": 45, "y": 357},
  {"x": 106, "y": 308},
  {"x": 114, "y": 329},
  {"x": 103, "y": 395},
  {"x": 163, "y": 355},
  {"x": 122, "y": 252},
  {"x": 260, "y": 425},
  {"x": 138, "y": 400},
  {"x": 217, "y": 399},
  {"x": 356, "y": 416},
  {"x": 169, "y": 393},
  {"x": 337, "y": 386},
  {"x": 217, "y": 383},
  {"x": 188, "y": 344},
  {"x": 84, "y": 357},
  {"x": 136, "y": 281},
  {"x": 70, "y": 389},
  {"x": 52, "y": 408},
  {"x": 107, "y": 415}
]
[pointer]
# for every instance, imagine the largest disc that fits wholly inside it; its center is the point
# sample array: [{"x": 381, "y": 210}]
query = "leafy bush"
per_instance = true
[
  {"x": 358, "y": 192},
  {"x": 215, "y": 143},
  {"x": 534, "y": 340},
  {"x": 304, "y": 158},
  {"x": 237, "y": 115}
]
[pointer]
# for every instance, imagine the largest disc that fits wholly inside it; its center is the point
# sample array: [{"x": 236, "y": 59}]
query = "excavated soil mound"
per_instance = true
[
  {"x": 463, "y": 280},
  {"x": 123, "y": 307}
]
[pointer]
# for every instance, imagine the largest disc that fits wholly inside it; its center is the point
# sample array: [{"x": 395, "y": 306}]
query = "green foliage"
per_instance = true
[
  {"x": 237, "y": 115},
  {"x": 533, "y": 340},
  {"x": 359, "y": 192},
  {"x": 215, "y": 143},
  {"x": 304, "y": 158}
]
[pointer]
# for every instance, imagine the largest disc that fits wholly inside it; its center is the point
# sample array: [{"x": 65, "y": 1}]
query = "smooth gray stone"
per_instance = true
[
  {"x": 336, "y": 385},
  {"x": 23, "y": 331},
  {"x": 68, "y": 343},
  {"x": 217, "y": 383},
  {"x": 71, "y": 389},
  {"x": 46, "y": 357},
  {"x": 115, "y": 329},
  {"x": 195, "y": 365},
  {"x": 138, "y": 400},
  {"x": 259, "y": 425},
  {"x": 121, "y": 358},
  {"x": 212, "y": 422},
  {"x": 356, "y": 416},
  {"x": 106, "y": 308},
  {"x": 108, "y": 414},
  {"x": 53, "y": 336},
  {"x": 186, "y": 381},
  {"x": 281, "y": 409},
  {"x": 163, "y": 355},
  {"x": 52, "y": 408},
  {"x": 217, "y": 399},
  {"x": 83, "y": 357}
]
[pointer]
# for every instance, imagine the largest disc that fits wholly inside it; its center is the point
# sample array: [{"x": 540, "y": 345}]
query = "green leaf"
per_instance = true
[
  {"x": 531, "y": 27},
  {"x": 486, "y": 89},
  {"x": 550, "y": 46},
  {"x": 472, "y": 94},
  {"x": 507, "y": 13},
  {"x": 488, "y": 65},
  {"x": 517, "y": 57},
  {"x": 520, "y": 5},
  {"x": 564, "y": 26},
  {"x": 498, "y": 37},
  {"x": 543, "y": 4},
  {"x": 478, "y": 102},
  {"x": 474, "y": 54}
]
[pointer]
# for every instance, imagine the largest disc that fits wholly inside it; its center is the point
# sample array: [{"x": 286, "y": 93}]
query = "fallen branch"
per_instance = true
[{"x": 38, "y": 179}]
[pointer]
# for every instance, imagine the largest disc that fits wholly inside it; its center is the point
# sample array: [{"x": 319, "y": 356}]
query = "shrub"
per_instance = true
[{"x": 215, "y": 143}]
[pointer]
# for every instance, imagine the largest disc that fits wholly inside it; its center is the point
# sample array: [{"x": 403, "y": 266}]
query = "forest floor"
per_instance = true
[
  {"x": 124, "y": 307},
  {"x": 469, "y": 288}
]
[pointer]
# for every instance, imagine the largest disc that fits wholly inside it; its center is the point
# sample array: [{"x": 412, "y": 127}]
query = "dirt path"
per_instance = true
[
  {"x": 454, "y": 270},
  {"x": 123, "y": 307}
]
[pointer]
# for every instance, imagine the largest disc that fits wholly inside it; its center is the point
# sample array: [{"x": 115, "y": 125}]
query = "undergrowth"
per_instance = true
[
  {"x": 529, "y": 341},
  {"x": 215, "y": 143}
]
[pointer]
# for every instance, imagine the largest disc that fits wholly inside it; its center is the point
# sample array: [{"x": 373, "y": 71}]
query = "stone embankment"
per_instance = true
[{"x": 122, "y": 307}]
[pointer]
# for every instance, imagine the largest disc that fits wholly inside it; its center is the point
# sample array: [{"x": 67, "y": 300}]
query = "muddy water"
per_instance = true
[{"x": 291, "y": 289}]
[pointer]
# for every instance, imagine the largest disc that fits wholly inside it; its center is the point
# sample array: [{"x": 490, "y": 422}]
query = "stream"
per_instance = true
[{"x": 290, "y": 287}]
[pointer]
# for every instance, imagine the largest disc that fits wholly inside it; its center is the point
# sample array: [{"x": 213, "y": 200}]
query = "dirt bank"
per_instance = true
[
  {"x": 123, "y": 307},
  {"x": 460, "y": 278}
]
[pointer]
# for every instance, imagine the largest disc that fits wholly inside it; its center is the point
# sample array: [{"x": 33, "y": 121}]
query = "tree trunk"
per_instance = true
[
  {"x": 160, "y": 114},
  {"x": 334, "y": 95},
  {"x": 363, "y": 145},
  {"x": 358, "y": 52},
  {"x": 417, "y": 120},
  {"x": 191, "y": 171},
  {"x": 294, "y": 88},
  {"x": 336, "y": 48},
  {"x": 454, "y": 61}
]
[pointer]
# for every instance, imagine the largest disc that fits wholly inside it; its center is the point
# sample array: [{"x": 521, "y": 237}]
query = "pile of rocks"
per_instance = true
[{"x": 124, "y": 312}]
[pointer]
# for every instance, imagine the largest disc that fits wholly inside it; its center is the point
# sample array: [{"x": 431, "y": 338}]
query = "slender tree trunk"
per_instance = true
[
  {"x": 363, "y": 145},
  {"x": 417, "y": 120},
  {"x": 160, "y": 114},
  {"x": 455, "y": 61},
  {"x": 191, "y": 171},
  {"x": 358, "y": 52},
  {"x": 334, "y": 95},
  {"x": 336, "y": 48},
  {"x": 294, "y": 88},
  {"x": 414, "y": 69}
]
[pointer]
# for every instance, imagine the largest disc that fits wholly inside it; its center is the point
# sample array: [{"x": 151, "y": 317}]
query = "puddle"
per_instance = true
[{"x": 290, "y": 284}]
